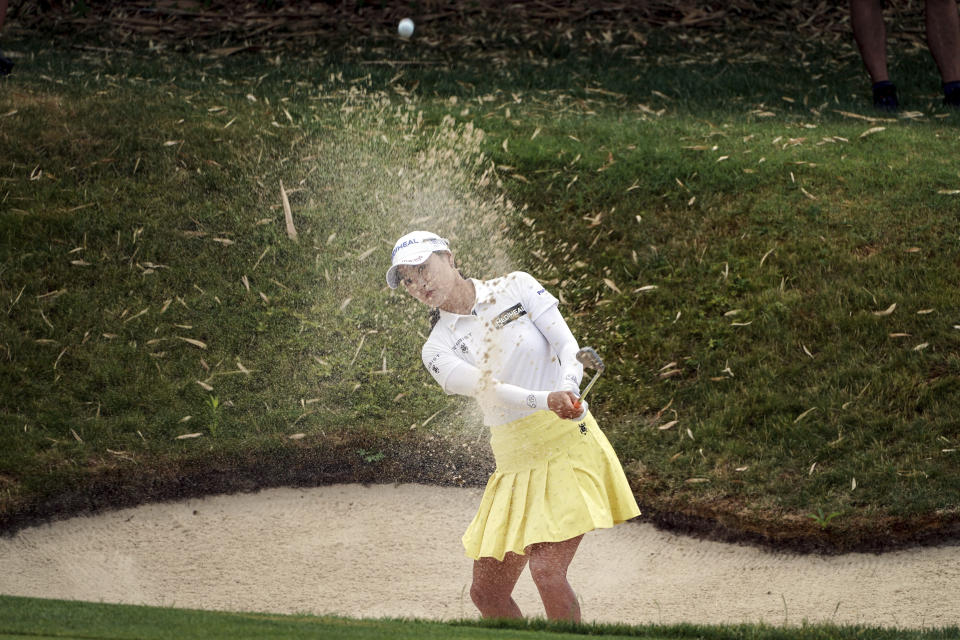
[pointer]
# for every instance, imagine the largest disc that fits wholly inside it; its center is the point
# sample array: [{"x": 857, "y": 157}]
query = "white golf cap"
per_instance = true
[{"x": 413, "y": 248}]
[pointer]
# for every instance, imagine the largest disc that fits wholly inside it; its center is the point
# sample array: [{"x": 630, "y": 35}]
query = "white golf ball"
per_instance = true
[{"x": 405, "y": 28}]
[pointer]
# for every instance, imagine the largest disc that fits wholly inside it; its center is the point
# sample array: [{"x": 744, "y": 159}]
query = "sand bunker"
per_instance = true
[{"x": 388, "y": 550}]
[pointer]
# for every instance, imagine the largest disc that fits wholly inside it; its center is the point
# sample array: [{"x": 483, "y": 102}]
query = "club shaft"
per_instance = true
[
  {"x": 589, "y": 385},
  {"x": 588, "y": 357}
]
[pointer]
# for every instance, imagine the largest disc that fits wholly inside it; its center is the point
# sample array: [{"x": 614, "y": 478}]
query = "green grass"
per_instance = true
[
  {"x": 751, "y": 229},
  {"x": 33, "y": 618},
  {"x": 771, "y": 261}
]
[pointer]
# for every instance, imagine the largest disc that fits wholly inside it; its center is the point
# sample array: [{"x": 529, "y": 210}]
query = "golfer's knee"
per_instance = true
[
  {"x": 486, "y": 595},
  {"x": 547, "y": 575}
]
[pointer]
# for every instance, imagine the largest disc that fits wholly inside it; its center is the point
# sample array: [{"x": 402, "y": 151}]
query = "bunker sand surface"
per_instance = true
[{"x": 386, "y": 550}]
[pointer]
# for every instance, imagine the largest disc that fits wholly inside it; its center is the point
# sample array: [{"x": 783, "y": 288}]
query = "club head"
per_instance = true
[{"x": 588, "y": 357}]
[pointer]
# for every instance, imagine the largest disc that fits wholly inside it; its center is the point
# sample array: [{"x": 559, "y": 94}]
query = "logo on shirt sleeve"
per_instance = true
[
  {"x": 532, "y": 401},
  {"x": 508, "y": 316}
]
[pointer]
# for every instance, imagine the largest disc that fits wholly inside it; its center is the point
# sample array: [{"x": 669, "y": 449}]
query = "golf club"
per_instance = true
[{"x": 589, "y": 357}]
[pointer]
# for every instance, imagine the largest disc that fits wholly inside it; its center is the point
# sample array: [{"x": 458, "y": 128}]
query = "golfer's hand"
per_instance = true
[{"x": 564, "y": 404}]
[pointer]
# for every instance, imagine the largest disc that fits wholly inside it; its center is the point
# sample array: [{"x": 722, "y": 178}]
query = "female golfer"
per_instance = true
[{"x": 504, "y": 343}]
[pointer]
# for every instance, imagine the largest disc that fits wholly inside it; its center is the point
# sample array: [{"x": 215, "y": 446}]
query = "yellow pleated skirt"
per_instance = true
[{"x": 555, "y": 479}]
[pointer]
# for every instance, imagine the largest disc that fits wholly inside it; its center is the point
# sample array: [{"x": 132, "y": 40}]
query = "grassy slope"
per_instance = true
[
  {"x": 771, "y": 262},
  {"x": 55, "y": 618},
  {"x": 758, "y": 203},
  {"x": 775, "y": 230}
]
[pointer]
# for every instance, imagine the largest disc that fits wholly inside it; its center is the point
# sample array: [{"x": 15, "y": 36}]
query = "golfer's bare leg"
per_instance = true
[
  {"x": 943, "y": 37},
  {"x": 866, "y": 18},
  {"x": 548, "y": 566},
  {"x": 493, "y": 583}
]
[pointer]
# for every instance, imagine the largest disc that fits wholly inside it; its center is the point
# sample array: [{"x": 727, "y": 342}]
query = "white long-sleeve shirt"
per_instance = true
[{"x": 509, "y": 353}]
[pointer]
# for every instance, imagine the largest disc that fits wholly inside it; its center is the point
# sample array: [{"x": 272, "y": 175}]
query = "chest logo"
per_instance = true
[
  {"x": 461, "y": 344},
  {"x": 508, "y": 316}
]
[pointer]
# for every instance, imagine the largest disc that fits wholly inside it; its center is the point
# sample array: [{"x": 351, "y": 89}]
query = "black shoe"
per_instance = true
[
  {"x": 951, "y": 94},
  {"x": 6, "y": 65},
  {"x": 885, "y": 96}
]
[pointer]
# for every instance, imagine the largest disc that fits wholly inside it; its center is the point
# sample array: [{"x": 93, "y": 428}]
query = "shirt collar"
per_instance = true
[{"x": 483, "y": 293}]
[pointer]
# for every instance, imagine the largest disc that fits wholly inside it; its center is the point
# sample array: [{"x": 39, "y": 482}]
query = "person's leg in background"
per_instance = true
[
  {"x": 943, "y": 38},
  {"x": 870, "y": 32},
  {"x": 6, "y": 65}
]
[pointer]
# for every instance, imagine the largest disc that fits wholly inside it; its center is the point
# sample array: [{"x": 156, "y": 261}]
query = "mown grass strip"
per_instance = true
[{"x": 33, "y": 617}]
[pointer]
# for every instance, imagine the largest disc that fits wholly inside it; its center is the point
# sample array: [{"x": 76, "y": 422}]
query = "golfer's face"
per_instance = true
[{"x": 428, "y": 281}]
